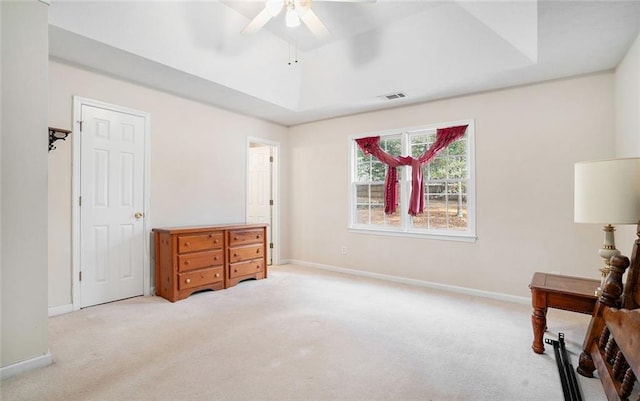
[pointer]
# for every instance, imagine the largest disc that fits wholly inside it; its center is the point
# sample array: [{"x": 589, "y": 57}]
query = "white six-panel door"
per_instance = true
[
  {"x": 111, "y": 206},
  {"x": 259, "y": 194}
]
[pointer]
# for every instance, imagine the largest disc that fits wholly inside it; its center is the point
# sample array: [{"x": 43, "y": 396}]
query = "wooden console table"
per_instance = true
[{"x": 573, "y": 294}]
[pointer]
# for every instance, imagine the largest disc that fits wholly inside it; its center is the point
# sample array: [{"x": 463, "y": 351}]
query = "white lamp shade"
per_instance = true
[{"x": 607, "y": 191}]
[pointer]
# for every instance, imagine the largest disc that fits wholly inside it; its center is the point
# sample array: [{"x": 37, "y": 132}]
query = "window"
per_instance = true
[{"x": 449, "y": 209}]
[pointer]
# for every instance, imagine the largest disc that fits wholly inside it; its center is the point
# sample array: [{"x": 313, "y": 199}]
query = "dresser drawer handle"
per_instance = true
[
  {"x": 258, "y": 267},
  {"x": 258, "y": 236},
  {"x": 186, "y": 262},
  {"x": 215, "y": 258},
  {"x": 235, "y": 270},
  {"x": 235, "y": 254},
  {"x": 217, "y": 274},
  {"x": 210, "y": 235},
  {"x": 258, "y": 250},
  {"x": 187, "y": 243},
  {"x": 187, "y": 280}
]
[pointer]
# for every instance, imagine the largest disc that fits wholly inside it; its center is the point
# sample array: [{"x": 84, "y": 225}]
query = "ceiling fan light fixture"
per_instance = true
[
  {"x": 274, "y": 7},
  {"x": 292, "y": 18},
  {"x": 302, "y": 6}
]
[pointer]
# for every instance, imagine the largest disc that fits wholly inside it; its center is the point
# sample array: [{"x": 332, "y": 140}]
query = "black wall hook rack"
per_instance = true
[{"x": 55, "y": 134}]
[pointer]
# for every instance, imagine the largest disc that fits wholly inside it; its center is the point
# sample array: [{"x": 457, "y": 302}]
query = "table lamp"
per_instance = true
[{"x": 607, "y": 192}]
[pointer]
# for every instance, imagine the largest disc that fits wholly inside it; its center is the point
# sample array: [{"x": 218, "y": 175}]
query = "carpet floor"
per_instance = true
[{"x": 303, "y": 334}]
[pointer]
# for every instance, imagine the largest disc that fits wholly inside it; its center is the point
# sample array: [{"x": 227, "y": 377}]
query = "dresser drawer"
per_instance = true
[
  {"x": 241, "y": 237},
  {"x": 200, "y": 277},
  {"x": 197, "y": 260},
  {"x": 245, "y": 268},
  {"x": 245, "y": 253},
  {"x": 192, "y": 243}
]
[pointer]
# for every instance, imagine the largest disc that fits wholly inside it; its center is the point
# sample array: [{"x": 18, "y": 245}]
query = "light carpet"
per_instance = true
[{"x": 303, "y": 334}]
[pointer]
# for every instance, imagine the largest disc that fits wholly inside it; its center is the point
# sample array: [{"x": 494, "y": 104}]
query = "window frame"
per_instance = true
[{"x": 405, "y": 229}]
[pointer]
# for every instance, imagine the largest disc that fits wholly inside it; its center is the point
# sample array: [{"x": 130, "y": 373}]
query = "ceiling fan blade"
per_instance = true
[
  {"x": 314, "y": 24},
  {"x": 257, "y": 23}
]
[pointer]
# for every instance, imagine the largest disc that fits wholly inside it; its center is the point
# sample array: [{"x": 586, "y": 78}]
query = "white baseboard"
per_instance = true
[
  {"x": 60, "y": 310},
  {"x": 24, "y": 366},
  {"x": 419, "y": 283}
]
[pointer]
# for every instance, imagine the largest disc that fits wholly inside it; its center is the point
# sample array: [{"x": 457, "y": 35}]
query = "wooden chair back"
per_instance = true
[
  {"x": 631, "y": 295},
  {"x": 618, "y": 363},
  {"x": 613, "y": 335}
]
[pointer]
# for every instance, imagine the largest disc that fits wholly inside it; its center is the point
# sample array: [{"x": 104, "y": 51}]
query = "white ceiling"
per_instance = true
[{"x": 427, "y": 49}]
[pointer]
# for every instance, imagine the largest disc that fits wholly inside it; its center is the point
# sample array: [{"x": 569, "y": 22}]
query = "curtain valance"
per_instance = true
[{"x": 371, "y": 146}]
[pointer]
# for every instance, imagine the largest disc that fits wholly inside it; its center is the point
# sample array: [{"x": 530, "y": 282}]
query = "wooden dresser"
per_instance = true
[{"x": 190, "y": 259}]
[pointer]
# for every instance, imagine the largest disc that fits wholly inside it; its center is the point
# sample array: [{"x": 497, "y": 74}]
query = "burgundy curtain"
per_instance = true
[{"x": 371, "y": 146}]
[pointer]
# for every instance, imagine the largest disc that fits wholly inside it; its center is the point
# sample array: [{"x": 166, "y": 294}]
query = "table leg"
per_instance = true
[
  {"x": 539, "y": 323},
  {"x": 538, "y": 320}
]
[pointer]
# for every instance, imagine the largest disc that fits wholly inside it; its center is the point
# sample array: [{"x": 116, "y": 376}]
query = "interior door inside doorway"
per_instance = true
[{"x": 260, "y": 193}]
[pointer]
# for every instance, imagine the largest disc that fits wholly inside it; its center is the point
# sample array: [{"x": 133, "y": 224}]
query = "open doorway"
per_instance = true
[{"x": 262, "y": 196}]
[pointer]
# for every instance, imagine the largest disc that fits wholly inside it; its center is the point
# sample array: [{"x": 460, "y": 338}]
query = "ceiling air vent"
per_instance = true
[{"x": 394, "y": 96}]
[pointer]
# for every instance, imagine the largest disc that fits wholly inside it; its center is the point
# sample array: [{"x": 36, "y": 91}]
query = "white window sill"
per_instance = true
[{"x": 392, "y": 233}]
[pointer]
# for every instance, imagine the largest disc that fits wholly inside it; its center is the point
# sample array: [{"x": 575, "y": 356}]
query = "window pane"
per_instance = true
[
  {"x": 435, "y": 188},
  {"x": 421, "y": 141},
  {"x": 455, "y": 188},
  {"x": 420, "y": 221},
  {"x": 392, "y": 145},
  {"x": 377, "y": 194},
  {"x": 377, "y": 214},
  {"x": 362, "y": 214},
  {"x": 370, "y": 194},
  {"x": 457, "y": 167},
  {"x": 419, "y": 144},
  {"x": 445, "y": 207},
  {"x": 436, "y": 211},
  {"x": 378, "y": 171},
  {"x": 458, "y": 148},
  {"x": 436, "y": 169},
  {"x": 378, "y": 217},
  {"x": 362, "y": 194},
  {"x": 457, "y": 212},
  {"x": 370, "y": 169},
  {"x": 363, "y": 172}
]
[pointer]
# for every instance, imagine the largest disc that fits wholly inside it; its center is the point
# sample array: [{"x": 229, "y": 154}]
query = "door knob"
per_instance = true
[{"x": 138, "y": 215}]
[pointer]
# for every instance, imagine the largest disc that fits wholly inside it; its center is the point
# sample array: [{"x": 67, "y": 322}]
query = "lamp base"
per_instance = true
[{"x": 606, "y": 252}]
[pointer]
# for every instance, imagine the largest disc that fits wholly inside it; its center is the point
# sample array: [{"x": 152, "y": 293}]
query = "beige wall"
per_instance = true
[
  {"x": 627, "y": 105},
  {"x": 59, "y": 252},
  {"x": 198, "y": 157},
  {"x": 524, "y": 211},
  {"x": 24, "y": 50},
  {"x": 527, "y": 140}
]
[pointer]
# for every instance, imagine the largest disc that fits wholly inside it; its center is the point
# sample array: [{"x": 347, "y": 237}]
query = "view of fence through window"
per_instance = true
[
  {"x": 445, "y": 182},
  {"x": 370, "y": 185}
]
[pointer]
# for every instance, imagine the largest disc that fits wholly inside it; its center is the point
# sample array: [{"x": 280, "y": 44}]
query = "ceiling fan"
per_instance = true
[{"x": 296, "y": 11}]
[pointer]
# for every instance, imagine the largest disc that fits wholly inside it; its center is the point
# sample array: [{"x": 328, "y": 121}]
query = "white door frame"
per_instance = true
[
  {"x": 78, "y": 102},
  {"x": 275, "y": 189}
]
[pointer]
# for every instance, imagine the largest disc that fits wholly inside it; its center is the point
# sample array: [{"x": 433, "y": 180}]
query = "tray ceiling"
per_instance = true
[{"x": 425, "y": 49}]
